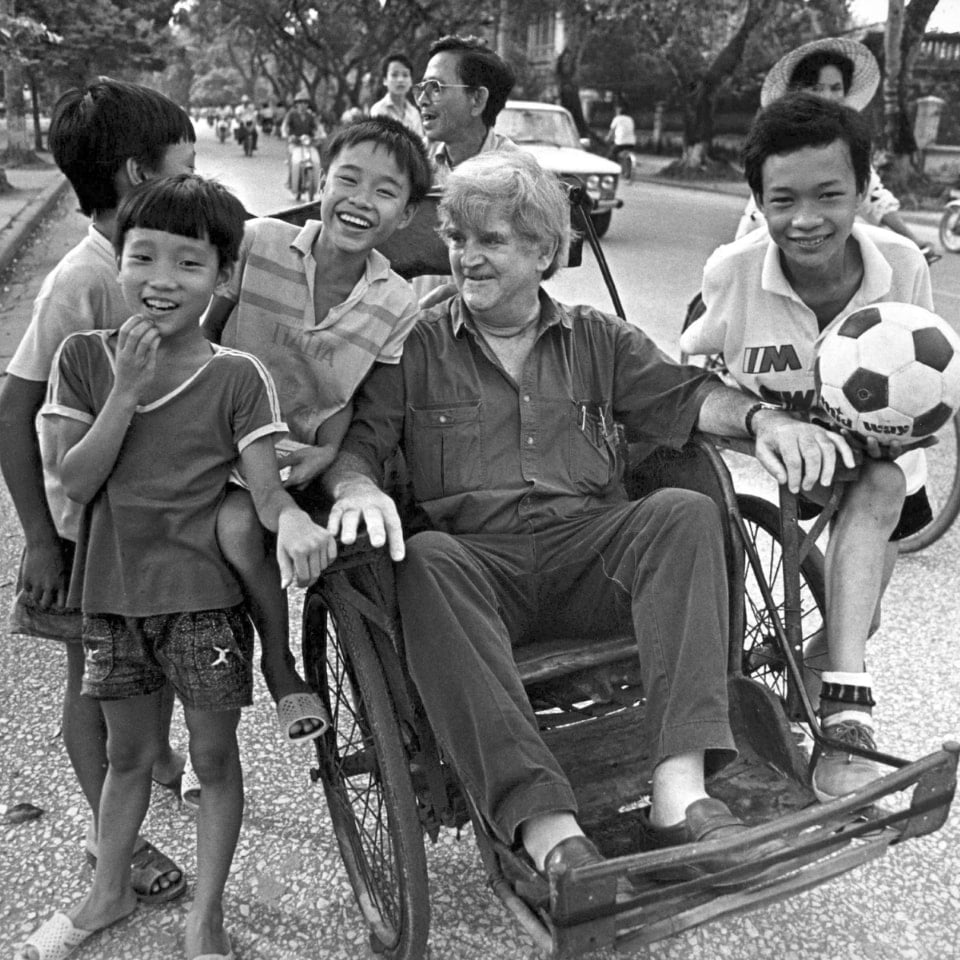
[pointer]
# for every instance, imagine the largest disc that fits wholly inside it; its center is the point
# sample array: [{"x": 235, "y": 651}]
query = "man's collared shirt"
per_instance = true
[
  {"x": 488, "y": 454},
  {"x": 440, "y": 161}
]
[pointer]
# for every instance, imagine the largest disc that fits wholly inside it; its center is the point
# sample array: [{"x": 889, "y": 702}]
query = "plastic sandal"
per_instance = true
[
  {"x": 295, "y": 707},
  {"x": 148, "y": 865},
  {"x": 54, "y": 939},
  {"x": 190, "y": 788}
]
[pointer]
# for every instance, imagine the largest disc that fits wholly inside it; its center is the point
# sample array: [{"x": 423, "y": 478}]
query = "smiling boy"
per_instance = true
[
  {"x": 319, "y": 306},
  {"x": 768, "y": 299}
]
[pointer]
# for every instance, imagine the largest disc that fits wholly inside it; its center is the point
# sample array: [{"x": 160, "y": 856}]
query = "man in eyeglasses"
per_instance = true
[
  {"x": 464, "y": 87},
  {"x": 462, "y": 91}
]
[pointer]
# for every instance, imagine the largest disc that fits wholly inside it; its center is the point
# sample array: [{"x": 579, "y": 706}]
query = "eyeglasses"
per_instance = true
[{"x": 433, "y": 88}]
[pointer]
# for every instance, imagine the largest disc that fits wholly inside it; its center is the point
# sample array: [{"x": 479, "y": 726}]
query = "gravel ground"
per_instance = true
[{"x": 289, "y": 896}]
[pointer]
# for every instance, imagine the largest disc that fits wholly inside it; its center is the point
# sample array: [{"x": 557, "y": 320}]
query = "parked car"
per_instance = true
[{"x": 549, "y": 133}]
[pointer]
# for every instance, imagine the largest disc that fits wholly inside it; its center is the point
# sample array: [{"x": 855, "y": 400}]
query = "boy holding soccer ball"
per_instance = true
[{"x": 768, "y": 299}]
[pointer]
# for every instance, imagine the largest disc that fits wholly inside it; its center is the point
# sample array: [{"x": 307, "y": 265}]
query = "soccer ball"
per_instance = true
[{"x": 889, "y": 371}]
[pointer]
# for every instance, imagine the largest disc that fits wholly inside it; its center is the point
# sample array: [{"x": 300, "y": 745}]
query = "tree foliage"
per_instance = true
[
  {"x": 689, "y": 53},
  {"x": 114, "y": 37},
  {"x": 20, "y": 38},
  {"x": 326, "y": 47}
]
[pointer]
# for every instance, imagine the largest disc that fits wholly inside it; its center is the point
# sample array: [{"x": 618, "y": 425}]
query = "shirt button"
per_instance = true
[
  {"x": 529, "y": 441},
  {"x": 442, "y": 418},
  {"x": 526, "y": 398}
]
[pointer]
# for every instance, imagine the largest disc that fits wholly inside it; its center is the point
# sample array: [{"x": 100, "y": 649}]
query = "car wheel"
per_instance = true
[{"x": 601, "y": 222}]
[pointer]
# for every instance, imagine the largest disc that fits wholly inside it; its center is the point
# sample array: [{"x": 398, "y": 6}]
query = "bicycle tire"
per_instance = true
[
  {"x": 943, "y": 488},
  {"x": 762, "y": 658},
  {"x": 365, "y": 773},
  {"x": 950, "y": 230}
]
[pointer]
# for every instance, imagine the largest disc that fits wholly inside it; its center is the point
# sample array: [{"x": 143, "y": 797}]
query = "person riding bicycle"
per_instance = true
[
  {"x": 768, "y": 297},
  {"x": 504, "y": 403},
  {"x": 623, "y": 137}
]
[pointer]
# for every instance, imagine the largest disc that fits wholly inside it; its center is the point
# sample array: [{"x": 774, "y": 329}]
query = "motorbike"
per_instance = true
[
  {"x": 304, "y": 166},
  {"x": 950, "y": 224}
]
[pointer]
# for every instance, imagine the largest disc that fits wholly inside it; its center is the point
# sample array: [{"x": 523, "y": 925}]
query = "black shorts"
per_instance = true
[{"x": 914, "y": 516}]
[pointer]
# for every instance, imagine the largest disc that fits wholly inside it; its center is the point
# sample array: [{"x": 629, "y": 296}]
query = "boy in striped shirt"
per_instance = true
[{"x": 319, "y": 306}]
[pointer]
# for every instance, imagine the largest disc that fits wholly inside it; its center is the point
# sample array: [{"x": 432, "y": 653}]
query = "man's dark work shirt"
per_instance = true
[{"x": 486, "y": 454}]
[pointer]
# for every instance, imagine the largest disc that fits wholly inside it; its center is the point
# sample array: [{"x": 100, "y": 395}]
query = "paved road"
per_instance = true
[{"x": 288, "y": 895}]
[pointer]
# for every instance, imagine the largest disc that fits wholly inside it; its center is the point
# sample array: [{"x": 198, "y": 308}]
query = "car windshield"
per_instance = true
[{"x": 553, "y": 127}]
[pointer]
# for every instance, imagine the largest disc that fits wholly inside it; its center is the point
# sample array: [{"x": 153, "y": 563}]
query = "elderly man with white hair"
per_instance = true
[{"x": 504, "y": 404}]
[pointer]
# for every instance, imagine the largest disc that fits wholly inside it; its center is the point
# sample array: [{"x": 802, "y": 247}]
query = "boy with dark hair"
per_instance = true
[
  {"x": 319, "y": 306},
  {"x": 767, "y": 300},
  {"x": 149, "y": 422},
  {"x": 397, "y": 73},
  {"x": 107, "y": 137}
]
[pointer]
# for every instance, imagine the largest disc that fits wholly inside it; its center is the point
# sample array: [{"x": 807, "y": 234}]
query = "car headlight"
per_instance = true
[
  {"x": 609, "y": 183},
  {"x": 593, "y": 183}
]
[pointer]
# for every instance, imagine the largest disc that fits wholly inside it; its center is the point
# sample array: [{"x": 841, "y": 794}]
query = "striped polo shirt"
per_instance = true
[{"x": 316, "y": 363}]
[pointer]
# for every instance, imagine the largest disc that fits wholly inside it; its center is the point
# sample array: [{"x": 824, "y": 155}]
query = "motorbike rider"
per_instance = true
[
  {"x": 246, "y": 116},
  {"x": 298, "y": 123},
  {"x": 301, "y": 120}
]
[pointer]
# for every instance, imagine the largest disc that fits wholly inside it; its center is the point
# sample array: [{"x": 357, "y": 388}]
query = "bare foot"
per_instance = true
[{"x": 97, "y": 912}]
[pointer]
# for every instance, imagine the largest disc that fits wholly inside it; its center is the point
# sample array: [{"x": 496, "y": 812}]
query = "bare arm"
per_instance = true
[
  {"x": 86, "y": 454},
  {"x": 45, "y": 575},
  {"x": 357, "y": 497},
  {"x": 794, "y": 452},
  {"x": 309, "y": 462},
  {"x": 304, "y": 549}
]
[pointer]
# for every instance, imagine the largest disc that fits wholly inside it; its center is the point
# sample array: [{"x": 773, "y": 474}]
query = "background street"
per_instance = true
[{"x": 289, "y": 897}]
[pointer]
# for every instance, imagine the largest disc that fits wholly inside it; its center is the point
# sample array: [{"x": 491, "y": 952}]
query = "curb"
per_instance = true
[{"x": 27, "y": 220}]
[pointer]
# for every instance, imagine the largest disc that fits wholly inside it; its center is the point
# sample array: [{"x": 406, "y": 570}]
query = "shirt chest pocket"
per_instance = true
[
  {"x": 593, "y": 446},
  {"x": 446, "y": 446}
]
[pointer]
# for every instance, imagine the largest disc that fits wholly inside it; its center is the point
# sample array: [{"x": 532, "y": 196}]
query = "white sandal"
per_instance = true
[
  {"x": 190, "y": 787},
  {"x": 297, "y": 707},
  {"x": 54, "y": 939}
]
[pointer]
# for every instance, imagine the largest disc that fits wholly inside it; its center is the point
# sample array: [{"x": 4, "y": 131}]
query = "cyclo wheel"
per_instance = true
[
  {"x": 366, "y": 778},
  {"x": 762, "y": 657},
  {"x": 950, "y": 230},
  {"x": 943, "y": 488}
]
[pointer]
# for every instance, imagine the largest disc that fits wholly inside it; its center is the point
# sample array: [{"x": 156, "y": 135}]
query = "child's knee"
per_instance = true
[
  {"x": 126, "y": 755},
  {"x": 214, "y": 763},
  {"x": 879, "y": 491},
  {"x": 239, "y": 532}
]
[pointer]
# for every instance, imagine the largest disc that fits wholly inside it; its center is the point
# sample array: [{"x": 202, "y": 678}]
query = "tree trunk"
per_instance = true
[
  {"x": 570, "y": 90},
  {"x": 891, "y": 79},
  {"x": 702, "y": 95},
  {"x": 35, "y": 104}
]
